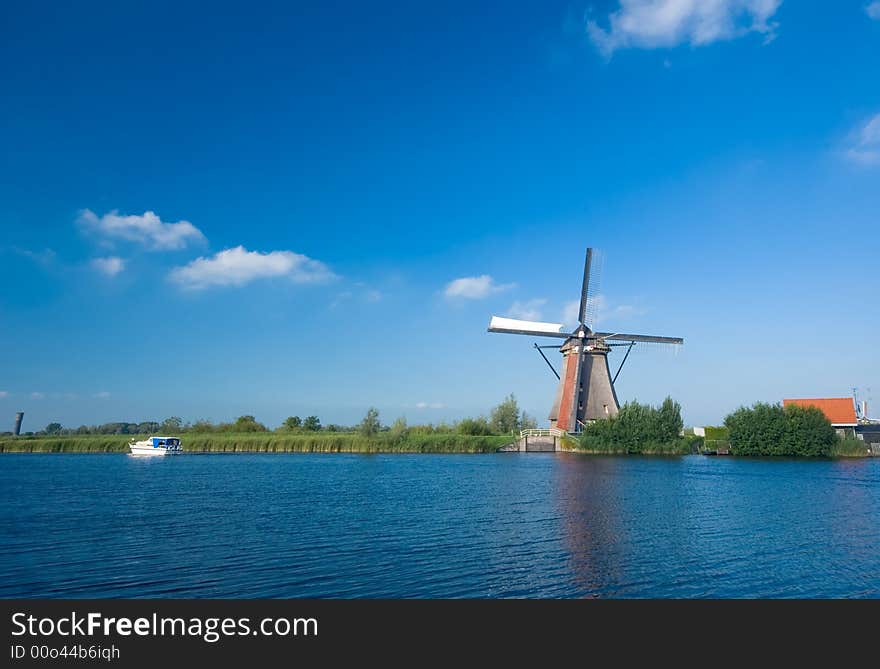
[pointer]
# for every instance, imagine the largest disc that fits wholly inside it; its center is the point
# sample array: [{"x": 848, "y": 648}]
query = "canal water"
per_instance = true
[{"x": 507, "y": 525}]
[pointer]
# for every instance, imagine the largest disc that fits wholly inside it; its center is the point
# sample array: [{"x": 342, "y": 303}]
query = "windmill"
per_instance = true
[{"x": 586, "y": 389}]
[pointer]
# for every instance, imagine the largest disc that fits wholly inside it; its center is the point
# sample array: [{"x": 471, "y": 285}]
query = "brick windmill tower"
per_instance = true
[{"x": 586, "y": 388}]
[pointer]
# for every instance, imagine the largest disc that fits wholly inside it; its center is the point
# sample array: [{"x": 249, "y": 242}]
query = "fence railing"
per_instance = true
[{"x": 550, "y": 432}]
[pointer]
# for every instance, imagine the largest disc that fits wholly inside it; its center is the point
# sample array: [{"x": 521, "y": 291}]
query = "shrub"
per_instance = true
[
  {"x": 399, "y": 429},
  {"x": 639, "y": 428},
  {"x": 370, "y": 425},
  {"x": 473, "y": 426},
  {"x": 770, "y": 429}
]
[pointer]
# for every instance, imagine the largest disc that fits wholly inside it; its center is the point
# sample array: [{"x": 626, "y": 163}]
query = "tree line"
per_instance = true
[{"x": 505, "y": 418}]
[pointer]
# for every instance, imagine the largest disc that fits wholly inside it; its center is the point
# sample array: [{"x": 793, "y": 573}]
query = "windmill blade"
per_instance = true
[
  {"x": 534, "y": 328},
  {"x": 648, "y": 339},
  {"x": 585, "y": 287},
  {"x": 594, "y": 296}
]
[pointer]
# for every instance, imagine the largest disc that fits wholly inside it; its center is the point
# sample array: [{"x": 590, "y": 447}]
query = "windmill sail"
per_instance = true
[
  {"x": 585, "y": 287},
  {"x": 535, "y": 328},
  {"x": 649, "y": 339}
]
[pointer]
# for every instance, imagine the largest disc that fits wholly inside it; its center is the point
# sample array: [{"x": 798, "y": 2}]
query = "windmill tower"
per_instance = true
[{"x": 586, "y": 388}]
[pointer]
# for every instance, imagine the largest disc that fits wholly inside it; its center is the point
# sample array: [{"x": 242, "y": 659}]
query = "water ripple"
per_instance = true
[{"x": 436, "y": 526}]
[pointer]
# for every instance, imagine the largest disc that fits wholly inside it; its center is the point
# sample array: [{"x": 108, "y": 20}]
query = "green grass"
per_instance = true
[
  {"x": 683, "y": 446},
  {"x": 267, "y": 442},
  {"x": 850, "y": 448}
]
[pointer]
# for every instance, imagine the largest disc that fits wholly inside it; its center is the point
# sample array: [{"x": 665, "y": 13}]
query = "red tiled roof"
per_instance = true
[{"x": 838, "y": 410}]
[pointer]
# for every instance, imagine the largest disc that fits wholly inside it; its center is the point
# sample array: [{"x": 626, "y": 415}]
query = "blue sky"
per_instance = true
[{"x": 260, "y": 209}]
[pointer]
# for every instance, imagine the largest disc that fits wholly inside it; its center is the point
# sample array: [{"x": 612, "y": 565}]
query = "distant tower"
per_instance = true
[{"x": 18, "y": 418}]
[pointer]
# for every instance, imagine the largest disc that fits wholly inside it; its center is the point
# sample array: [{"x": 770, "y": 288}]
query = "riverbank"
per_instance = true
[
  {"x": 272, "y": 442},
  {"x": 678, "y": 447},
  {"x": 267, "y": 442}
]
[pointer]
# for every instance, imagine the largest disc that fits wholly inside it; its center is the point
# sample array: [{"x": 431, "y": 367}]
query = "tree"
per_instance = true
[
  {"x": 527, "y": 422},
  {"x": 292, "y": 423},
  {"x": 172, "y": 424},
  {"x": 312, "y": 424},
  {"x": 504, "y": 418},
  {"x": 476, "y": 427},
  {"x": 370, "y": 425},
  {"x": 203, "y": 425},
  {"x": 808, "y": 432},
  {"x": 53, "y": 428},
  {"x": 248, "y": 424},
  {"x": 759, "y": 430},
  {"x": 399, "y": 428},
  {"x": 147, "y": 427},
  {"x": 769, "y": 429},
  {"x": 669, "y": 422}
]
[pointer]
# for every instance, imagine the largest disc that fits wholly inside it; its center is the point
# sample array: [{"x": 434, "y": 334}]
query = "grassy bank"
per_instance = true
[
  {"x": 683, "y": 446},
  {"x": 267, "y": 442},
  {"x": 850, "y": 448}
]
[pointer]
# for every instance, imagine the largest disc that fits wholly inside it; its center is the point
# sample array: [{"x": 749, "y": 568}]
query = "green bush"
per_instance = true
[
  {"x": 473, "y": 426},
  {"x": 639, "y": 428},
  {"x": 770, "y": 429}
]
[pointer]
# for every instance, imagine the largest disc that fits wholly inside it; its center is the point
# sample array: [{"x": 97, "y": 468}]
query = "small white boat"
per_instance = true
[{"x": 156, "y": 446}]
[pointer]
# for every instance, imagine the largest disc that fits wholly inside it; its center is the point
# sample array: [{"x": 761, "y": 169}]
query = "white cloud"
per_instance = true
[
  {"x": 147, "y": 229},
  {"x": 474, "y": 287},
  {"x": 109, "y": 266},
  {"x": 652, "y": 24},
  {"x": 865, "y": 149},
  {"x": 4, "y": 393},
  {"x": 873, "y": 10},
  {"x": 529, "y": 310},
  {"x": 37, "y": 396},
  {"x": 103, "y": 395},
  {"x": 430, "y": 405},
  {"x": 238, "y": 266}
]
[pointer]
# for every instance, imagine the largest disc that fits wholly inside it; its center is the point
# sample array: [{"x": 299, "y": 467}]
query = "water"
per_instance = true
[{"x": 535, "y": 525}]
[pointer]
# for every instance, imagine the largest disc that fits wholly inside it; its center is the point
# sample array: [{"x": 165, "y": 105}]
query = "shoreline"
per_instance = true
[{"x": 269, "y": 442}]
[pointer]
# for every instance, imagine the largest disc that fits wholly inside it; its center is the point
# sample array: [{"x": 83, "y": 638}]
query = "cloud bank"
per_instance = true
[
  {"x": 474, "y": 287},
  {"x": 653, "y": 24},
  {"x": 238, "y": 266},
  {"x": 147, "y": 229}
]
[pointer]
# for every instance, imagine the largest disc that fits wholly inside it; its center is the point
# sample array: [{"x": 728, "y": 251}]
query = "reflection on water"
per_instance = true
[{"x": 532, "y": 525}]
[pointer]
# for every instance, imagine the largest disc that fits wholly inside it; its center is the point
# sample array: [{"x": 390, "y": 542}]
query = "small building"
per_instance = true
[
  {"x": 870, "y": 434},
  {"x": 840, "y": 411}
]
